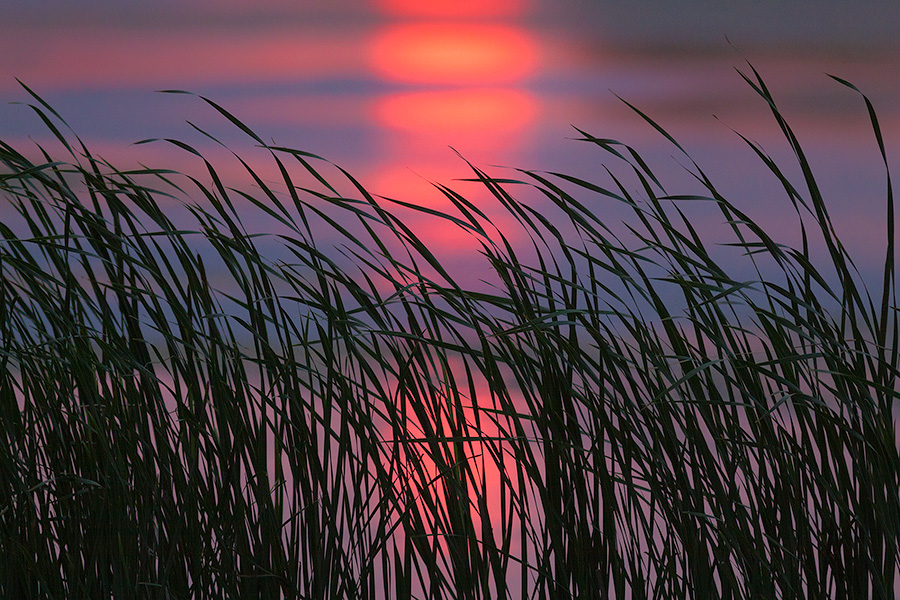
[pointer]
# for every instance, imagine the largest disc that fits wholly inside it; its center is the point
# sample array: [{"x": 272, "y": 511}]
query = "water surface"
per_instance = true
[{"x": 397, "y": 92}]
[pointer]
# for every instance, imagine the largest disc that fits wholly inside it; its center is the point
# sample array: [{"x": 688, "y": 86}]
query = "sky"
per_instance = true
[{"x": 395, "y": 90}]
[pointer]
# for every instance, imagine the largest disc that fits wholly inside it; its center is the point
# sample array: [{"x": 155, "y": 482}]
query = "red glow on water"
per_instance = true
[
  {"x": 459, "y": 114},
  {"x": 415, "y": 187},
  {"x": 453, "y": 8},
  {"x": 149, "y": 58},
  {"x": 442, "y": 53},
  {"x": 474, "y": 440},
  {"x": 445, "y": 237}
]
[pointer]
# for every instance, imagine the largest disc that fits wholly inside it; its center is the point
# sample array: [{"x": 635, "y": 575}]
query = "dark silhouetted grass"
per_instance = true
[{"x": 191, "y": 409}]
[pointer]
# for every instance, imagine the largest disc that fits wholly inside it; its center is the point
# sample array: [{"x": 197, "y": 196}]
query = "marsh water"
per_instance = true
[
  {"x": 399, "y": 93},
  {"x": 402, "y": 94}
]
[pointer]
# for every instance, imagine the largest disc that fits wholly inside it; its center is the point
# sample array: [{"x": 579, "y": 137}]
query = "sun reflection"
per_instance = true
[
  {"x": 489, "y": 470},
  {"x": 457, "y": 115},
  {"x": 417, "y": 186},
  {"x": 444, "y": 53}
]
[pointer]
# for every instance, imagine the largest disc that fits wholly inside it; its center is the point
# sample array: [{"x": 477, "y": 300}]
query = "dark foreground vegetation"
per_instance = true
[{"x": 189, "y": 409}]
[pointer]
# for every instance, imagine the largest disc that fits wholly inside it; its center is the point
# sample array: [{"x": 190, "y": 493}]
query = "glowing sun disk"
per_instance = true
[
  {"x": 453, "y": 53},
  {"x": 452, "y": 8}
]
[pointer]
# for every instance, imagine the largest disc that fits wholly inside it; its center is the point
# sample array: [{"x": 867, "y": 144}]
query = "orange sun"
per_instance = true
[
  {"x": 452, "y": 8},
  {"x": 453, "y": 54}
]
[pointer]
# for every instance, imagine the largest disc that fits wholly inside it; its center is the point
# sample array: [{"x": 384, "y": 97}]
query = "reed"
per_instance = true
[{"x": 188, "y": 413}]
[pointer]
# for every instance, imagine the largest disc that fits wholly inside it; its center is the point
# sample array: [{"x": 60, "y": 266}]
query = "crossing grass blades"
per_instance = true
[{"x": 620, "y": 414}]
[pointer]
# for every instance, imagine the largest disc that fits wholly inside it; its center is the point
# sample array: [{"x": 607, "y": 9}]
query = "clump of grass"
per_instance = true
[{"x": 619, "y": 416}]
